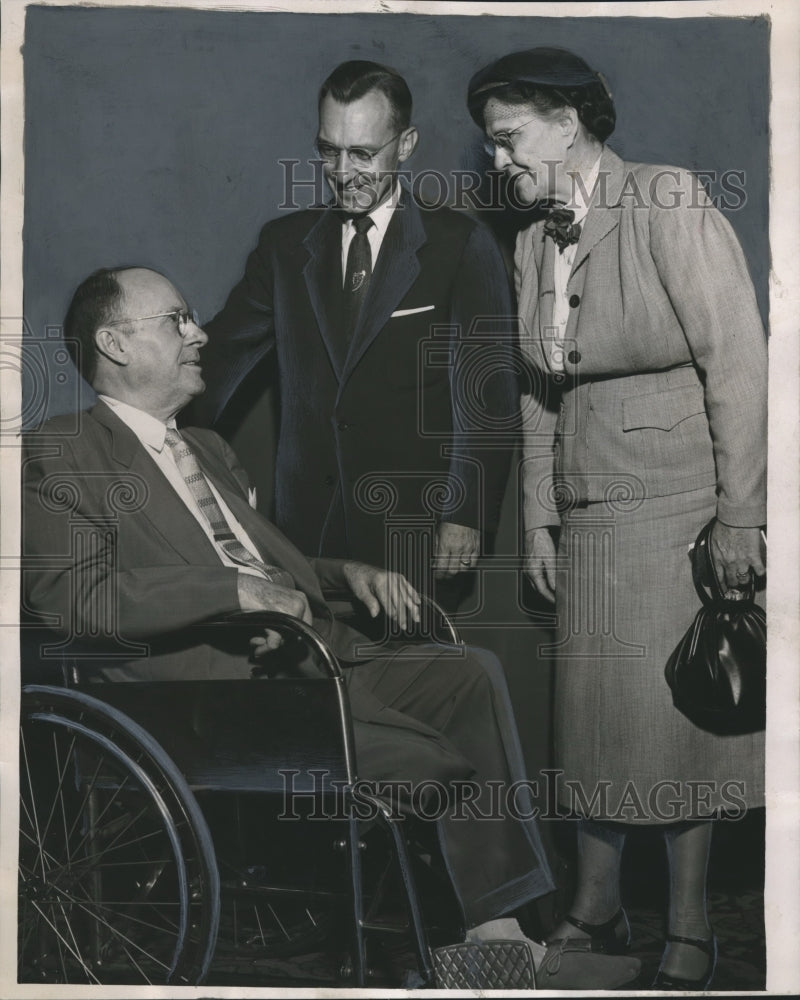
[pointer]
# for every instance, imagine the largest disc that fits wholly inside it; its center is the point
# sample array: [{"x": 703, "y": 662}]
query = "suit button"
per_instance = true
[
  {"x": 574, "y": 301},
  {"x": 343, "y": 425},
  {"x": 329, "y": 480},
  {"x": 574, "y": 357}
]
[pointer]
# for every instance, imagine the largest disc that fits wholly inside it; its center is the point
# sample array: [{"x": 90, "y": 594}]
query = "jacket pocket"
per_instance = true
[
  {"x": 662, "y": 410},
  {"x": 670, "y": 433}
]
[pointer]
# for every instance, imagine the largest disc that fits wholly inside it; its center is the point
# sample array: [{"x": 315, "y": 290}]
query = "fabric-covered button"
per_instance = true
[{"x": 574, "y": 357}]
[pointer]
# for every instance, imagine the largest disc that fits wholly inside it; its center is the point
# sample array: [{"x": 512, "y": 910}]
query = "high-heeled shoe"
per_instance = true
[
  {"x": 612, "y": 937},
  {"x": 664, "y": 981}
]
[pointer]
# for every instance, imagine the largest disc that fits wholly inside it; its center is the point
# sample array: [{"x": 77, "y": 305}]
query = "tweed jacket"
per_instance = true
[{"x": 665, "y": 381}]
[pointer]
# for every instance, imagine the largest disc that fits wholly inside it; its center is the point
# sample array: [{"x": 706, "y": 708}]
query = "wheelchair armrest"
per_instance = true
[
  {"x": 345, "y": 606},
  {"x": 284, "y": 624}
]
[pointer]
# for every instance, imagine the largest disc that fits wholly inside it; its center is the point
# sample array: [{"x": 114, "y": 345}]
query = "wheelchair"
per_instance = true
[{"x": 146, "y": 848}]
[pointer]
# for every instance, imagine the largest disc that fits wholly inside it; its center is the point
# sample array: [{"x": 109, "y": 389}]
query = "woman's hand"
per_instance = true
[
  {"x": 540, "y": 561},
  {"x": 734, "y": 552},
  {"x": 378, "y": 588}
]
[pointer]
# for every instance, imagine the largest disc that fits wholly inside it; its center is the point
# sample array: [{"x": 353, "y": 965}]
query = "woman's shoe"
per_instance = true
[
  {"x": 664, "y": 981},
  {"x": 613, "y": 937}
]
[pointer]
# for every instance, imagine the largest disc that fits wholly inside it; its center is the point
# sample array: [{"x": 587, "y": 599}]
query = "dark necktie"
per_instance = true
[
  {"x": 561, "y": 229},
  {"x": 198, "y": 485},
  {"x": 357, "y": 273}
]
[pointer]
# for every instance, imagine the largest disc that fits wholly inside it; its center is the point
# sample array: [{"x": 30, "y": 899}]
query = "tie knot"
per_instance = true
[
  {"x": 172, "y": 437},
  {"x": 362, "y": 223}
]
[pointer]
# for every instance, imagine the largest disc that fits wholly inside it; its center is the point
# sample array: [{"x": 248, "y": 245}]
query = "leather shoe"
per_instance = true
[
  {"x": 612, "y": 937},
  {"x": 664, "y": 981},
  {"x": 570, "y": 964}
]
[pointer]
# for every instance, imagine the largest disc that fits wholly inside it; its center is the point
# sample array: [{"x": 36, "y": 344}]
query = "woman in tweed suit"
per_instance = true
[{"x": 645, "y": 418}]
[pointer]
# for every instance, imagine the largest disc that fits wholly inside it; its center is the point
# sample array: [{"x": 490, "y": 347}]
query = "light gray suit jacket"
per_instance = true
[{"x": 665, "y": 383}]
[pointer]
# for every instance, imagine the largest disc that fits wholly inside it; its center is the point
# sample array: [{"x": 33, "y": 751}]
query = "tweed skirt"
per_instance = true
[{"x": 624, "y": 598}]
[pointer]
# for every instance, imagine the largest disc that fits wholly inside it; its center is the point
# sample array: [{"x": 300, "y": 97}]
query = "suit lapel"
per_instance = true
[
  {"x": 536, "y": 294},
  {"x": 603, "y": 215},
  {"x": 163, "y": 508},
  {"x": 323, "y": 278},
  {"x": 395, "y": 271}
]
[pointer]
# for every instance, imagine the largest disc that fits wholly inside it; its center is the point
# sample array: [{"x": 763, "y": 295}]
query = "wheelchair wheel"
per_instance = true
[{"x": 117, "y": 876}]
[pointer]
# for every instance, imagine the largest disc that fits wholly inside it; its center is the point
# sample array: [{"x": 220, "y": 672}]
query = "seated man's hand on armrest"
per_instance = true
[
  {"x": 258, "y": 594},
  {"x": 378, "y": 588}
]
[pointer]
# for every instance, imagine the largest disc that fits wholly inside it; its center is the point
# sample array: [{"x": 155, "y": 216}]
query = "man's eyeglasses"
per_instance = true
[
  {"x": 182, "y": 318},
  {"x": 503, "y": 140},
  {"x": 357, "y": 155}
]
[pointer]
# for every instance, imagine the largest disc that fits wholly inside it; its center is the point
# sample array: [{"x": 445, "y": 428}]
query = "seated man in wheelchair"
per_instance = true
[{"x": 137, "y": 532}]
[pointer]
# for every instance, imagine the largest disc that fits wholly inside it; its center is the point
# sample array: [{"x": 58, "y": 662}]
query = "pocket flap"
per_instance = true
[{"x": 663, "y": 410}]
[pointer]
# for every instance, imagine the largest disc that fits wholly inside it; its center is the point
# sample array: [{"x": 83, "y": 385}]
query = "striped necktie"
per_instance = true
[{"x": 223, "y": 536}]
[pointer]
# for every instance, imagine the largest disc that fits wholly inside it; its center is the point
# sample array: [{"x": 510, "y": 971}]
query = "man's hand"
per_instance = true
[
  {"x": 540, "y": 561},
  {"x": 378, "y": 588},
  {"x": 734, "y": 551},
  {"x": 456, "y": 549},
  {"x": 257, "y": 594}
]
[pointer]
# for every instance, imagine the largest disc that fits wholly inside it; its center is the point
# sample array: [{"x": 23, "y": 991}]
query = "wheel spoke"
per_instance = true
[{"x": 61, "y": 940}]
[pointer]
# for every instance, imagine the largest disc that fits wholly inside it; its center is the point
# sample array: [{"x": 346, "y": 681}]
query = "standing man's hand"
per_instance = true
[
  {"x": 456, "y": 549},
  {"x": 378, "y": 588},
  {"x": 540, "y": 561}
]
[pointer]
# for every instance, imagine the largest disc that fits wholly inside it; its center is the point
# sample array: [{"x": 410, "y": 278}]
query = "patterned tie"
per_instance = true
[
  {"x": 559, "y": 227},
  {"x": 207, "y": 502},
  {"x": 358, "y": 273}
]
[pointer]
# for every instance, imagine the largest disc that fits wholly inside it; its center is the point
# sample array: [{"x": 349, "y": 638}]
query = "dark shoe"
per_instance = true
[
  {"x": 611, "y": 938},
  {"x": 663, "y": 981},
  {"x": 570, "y": 964},
  {"x": 490, "y": 965}
]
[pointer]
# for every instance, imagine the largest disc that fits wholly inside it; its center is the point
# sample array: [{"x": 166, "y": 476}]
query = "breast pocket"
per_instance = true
[
  {"x": 671, "y": 435},
  {"x": 415, "y": 357}
]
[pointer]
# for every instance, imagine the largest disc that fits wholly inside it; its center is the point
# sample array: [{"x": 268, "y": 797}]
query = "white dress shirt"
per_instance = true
[
  {"x": 381, "y": 217},
  {"x": 563, "y": 268},
  {"x": 152, "y": 434}
]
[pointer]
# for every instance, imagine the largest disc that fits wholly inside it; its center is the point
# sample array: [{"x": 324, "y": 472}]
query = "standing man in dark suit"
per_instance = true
[
  {"x": 136, "y": 533},
  {"x": 391, "y": 324}
]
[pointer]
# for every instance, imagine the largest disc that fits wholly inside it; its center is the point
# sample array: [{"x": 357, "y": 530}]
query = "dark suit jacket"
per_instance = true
[
  {"x": 427, "y": 378},
  {"x": 114, "y": 563}
]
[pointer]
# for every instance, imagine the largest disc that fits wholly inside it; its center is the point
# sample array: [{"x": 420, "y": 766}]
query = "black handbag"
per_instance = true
[{"x": 718, "y": 671}]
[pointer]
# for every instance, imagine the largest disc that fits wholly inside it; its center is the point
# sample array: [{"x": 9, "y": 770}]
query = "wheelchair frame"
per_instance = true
[{"x": 105, "y": 777}]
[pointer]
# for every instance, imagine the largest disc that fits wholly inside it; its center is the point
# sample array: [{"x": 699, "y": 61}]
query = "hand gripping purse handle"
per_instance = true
[{"x": 705, "y": 577}]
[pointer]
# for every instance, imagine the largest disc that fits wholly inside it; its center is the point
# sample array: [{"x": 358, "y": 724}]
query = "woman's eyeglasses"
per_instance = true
[{"x": 503, "y": 140}]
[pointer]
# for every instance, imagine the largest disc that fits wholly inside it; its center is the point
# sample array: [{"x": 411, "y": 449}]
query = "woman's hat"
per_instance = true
[{"x": 543, "y": 67}]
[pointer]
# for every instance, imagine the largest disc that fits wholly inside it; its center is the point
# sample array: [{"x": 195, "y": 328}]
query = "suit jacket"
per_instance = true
[
  {"x": 419, "y": 396},
  {"x": 665, "y": 383},
  {"x": 115, "y": 563},
  {"x": 112, "y": 558}
]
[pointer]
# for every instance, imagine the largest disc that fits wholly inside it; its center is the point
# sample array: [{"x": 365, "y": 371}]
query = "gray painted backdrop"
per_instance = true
[{"x": 152, "y": 137}]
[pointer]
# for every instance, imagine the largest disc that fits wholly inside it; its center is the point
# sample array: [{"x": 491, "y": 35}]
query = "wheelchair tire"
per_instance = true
[{"x": 118, "y": 881}]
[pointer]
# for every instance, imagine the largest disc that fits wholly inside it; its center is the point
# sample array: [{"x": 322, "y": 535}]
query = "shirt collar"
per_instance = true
[
  {"x": 382, "y": 215},
  {"x": 147, "y": 428}
]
